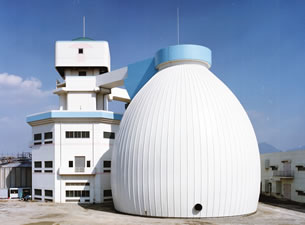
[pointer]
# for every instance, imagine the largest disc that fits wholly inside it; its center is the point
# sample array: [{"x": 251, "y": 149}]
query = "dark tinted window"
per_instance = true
[
  {"x": 110, "y": 135},
  {"x": 69, "y": 193},
  {"x": 82, "y": 73},
  {"x": 37, "y": 137},
  {"x": 85, "y": 194},
  {"x": 107, "y": 193},
  {"x": 77, "y": 134},
  {"x": 69, "y": 134},
  {"x": 103, "y": 70},
  {"x": 107, "y": 164},
  {"x": 48, "y": 135},
  {"x": 37, "y": 191},
  {"x": 37, "y": 164},
  {"x": 80, "y": 51},
  {"x": 77, "y": 193},
  {"x": 88, "y": 163},
  {"x": 48, "y": 193},
  {"x": 85, "y": 134},
  {"x": 48, "y": 164},
  {"x": 70, "y": 163}
]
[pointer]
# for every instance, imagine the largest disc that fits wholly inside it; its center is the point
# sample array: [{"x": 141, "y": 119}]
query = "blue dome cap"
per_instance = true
[{"x": 183, "y": 52}]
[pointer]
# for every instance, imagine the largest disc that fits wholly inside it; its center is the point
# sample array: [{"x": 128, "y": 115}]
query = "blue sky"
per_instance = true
[{"x": 258, "y": 51}]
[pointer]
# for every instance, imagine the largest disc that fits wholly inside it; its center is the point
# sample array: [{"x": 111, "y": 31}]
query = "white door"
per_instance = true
[{"x": 287, "y": 191}]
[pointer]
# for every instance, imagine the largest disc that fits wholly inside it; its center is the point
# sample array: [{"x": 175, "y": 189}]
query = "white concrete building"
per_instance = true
[
  {"x": 72, "y": 145},
  {"x": 283, "y": 175},
  {"x": 185, "y": 147}
]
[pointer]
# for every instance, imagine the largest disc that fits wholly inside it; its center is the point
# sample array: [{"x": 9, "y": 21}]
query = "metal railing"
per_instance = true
[
  {"x": 79, "y": 169},
  {"x": 283, "y": 173}
]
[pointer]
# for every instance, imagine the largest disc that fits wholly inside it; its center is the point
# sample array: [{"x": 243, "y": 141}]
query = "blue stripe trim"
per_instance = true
[
  {"x": 181, "y": 52},
  {"x": 67, "y": 114}
]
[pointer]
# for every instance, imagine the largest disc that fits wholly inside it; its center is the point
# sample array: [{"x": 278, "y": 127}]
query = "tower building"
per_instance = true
[{"x": 72, "y": 145}]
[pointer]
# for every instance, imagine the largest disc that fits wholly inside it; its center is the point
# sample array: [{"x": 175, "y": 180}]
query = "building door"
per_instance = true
[
  {"x": 80, "y": 163},
  {"x": 287, "y": 191}
]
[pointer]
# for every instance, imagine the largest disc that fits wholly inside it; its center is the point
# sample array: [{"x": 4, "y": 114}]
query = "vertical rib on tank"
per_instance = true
[{"x": 186, "y": 148}]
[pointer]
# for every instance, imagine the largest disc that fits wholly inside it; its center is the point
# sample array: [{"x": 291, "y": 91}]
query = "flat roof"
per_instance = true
[{"x": 58, "y": 114}]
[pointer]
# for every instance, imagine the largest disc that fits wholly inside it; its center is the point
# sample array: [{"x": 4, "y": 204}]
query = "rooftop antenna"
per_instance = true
[
  {"x": 84, "y": 26},
  {"x": 178, "y": 32}
]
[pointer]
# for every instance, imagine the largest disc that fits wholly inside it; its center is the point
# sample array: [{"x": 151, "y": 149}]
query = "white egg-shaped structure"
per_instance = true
[{"x": 186, "y": 147}]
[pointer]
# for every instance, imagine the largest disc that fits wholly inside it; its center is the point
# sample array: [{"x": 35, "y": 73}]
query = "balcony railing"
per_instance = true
[{"x": 283, "y": 173}]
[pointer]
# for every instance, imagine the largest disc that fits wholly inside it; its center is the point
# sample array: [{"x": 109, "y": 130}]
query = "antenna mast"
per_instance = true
[
  {"x": 84, "y": 26},
  {"x": 178, "y": 32}
]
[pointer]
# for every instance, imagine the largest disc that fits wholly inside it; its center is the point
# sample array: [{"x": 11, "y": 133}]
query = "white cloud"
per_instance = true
[
  {"x": 4, "y": 119},
  {"x": 15, "y": 89}
]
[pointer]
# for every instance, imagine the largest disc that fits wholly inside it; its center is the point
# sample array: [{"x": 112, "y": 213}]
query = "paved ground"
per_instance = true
[{"x": 39, "y": 213}]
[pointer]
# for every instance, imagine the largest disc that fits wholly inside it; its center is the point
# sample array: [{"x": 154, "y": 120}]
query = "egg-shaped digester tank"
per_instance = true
[{"x": 186, "y": 147}]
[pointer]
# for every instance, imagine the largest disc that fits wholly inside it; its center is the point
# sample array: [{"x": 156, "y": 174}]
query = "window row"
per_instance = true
[
  {"x": 77, "y": 184},
  {"x": 77, "y": 193},
  {"x": 48, "y": 166},
  {"x": 48, "y": 136},
  {"x": 86, "y": 134},
  {"x": 47, "y": 193},
  {"x": 77, "y": 134},
  {"x": 80, "y": 162}
]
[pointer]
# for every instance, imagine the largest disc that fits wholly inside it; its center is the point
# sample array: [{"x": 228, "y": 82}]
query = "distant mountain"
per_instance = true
[
  {"x": 297, "y": 148},
  {"x": 267, "y": 148}
]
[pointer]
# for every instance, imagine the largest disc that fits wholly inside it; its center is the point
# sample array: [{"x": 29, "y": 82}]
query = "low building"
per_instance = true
[
  {"x": 283, "y": 175},
  {"x": 15, "y": 176}
]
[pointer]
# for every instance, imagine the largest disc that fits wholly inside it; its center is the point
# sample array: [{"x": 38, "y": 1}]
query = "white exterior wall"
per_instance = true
[
  {"x": 80, "y": 83},
  {"x": 296, "y": 181},
  {"x": 44, "y": 152},
  {"x": 99, "y": 102},
  {"x": 96, "y": 53},
  {"x": 63, "y": 102},
  {"x": 81, "y": 101},
  {"x": 185, "y": 139},
  {"x": 96, "y": 149}
]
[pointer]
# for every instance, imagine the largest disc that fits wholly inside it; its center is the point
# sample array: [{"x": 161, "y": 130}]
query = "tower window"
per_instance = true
[
  {"x": 80, "y": 51},
  {"x": 103, "y": 70},
  {"x": 107, "y": 193},
  {"x": 82, "y": 73},
  {"x": 48, "y": 135},
  {"x": 48, "y": 164},
  {"x": 110, "y": 135},
  {"x": 70, "y": 163},
  {"x": 88, "y": 163},
  {"x": 37, "y": 137},
  {"x": 37, "y": 164},
  {"x": 48, "y": 193}
]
